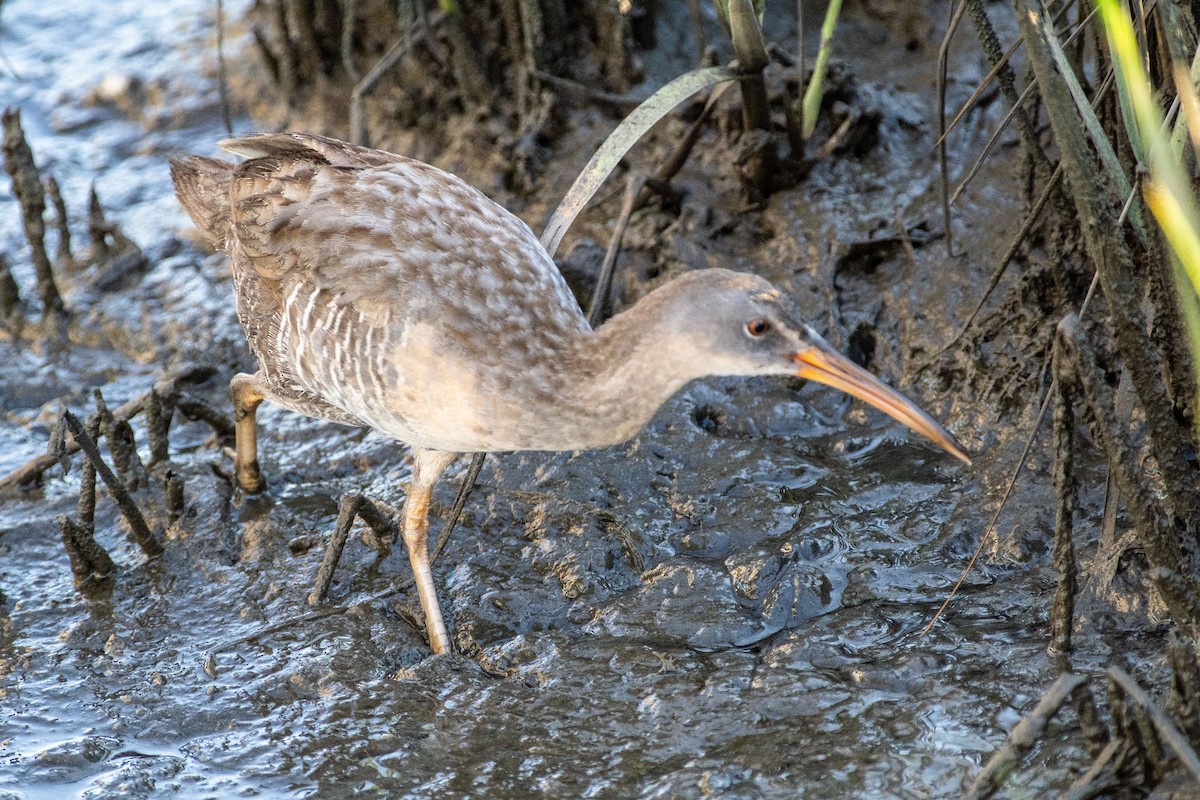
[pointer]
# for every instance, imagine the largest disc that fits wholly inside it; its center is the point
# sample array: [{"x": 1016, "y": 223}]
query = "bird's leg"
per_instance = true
[
  {"x": 428, "y": 466},
  {"x": 246, "y": 399}
]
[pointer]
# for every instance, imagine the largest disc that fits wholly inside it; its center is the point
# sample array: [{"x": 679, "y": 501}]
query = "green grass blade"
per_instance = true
[
  {"x": 1168, "y": 189},
  {"x": 1104, "y": 148},
  {"x": 811, "y": 105},
  {"x": 1179, "y": 42}
]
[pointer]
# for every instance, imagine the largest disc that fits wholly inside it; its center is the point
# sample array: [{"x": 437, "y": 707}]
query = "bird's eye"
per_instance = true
[{"x": 757, "y": 326}]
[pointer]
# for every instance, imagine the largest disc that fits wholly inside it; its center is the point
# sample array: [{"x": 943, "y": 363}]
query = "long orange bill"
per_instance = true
[{"x": 823, "y": 364}]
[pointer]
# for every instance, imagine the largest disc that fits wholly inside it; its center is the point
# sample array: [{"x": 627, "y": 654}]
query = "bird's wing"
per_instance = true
[
  {"x": 380, "y": 231},
  {"x": 306, "y": 146}
]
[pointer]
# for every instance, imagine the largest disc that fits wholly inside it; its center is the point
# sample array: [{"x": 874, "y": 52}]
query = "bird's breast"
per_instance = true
[{"x": 445, "y": 396}]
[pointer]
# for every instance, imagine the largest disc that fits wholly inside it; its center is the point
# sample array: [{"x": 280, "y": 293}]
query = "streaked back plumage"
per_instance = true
[{"x": 340, "y": 254}]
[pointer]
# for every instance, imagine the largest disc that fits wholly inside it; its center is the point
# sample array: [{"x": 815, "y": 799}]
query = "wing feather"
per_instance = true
[{"x": 391, "y": 236}]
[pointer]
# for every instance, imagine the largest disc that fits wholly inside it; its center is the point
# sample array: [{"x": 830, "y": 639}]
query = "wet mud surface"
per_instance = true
[{"x": 730, "y": 605}]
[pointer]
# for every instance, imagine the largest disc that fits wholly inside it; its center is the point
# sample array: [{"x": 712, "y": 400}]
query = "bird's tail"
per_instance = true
[{"x": 202, "y": 186}]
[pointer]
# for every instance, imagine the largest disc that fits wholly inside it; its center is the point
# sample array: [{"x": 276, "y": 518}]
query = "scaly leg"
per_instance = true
[
  {"x": 428, "y": 466},
  {"x": 246, "y": 399}
]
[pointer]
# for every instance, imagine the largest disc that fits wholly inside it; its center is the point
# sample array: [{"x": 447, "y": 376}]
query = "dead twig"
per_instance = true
[
  {"x": 1162, "y": 723},
  {"x": 633, "y": 188},
  {"x": 10, "y": 301},
  {"x": 460, "y": 502},
  {"x": 1062, "y": 612},
  {"x": 62, "y": 258},
  {"x": 195, "y": 409},
  {"x": 168, "y": 386},
  {"x": 1099, "y": 776},
  {"x": 88, "y": 559},
  {"x": 158, "y": 422},
  {"x": 1034, "y": 214},
  {"x": 358, "y": 121},
  {"x": 1023, "y": 737},
  {"x": 619, "y": 103},
  {"x": 129, "y": 509},
  {"x": 222, "y": 79},
  {"x": 943, "y": 156},
  {"x": 121, "y": 445},
  {"x": 27, "y": 186},
  {"x": 381, "y": 521},
  {"x": 173, "y": 485}
]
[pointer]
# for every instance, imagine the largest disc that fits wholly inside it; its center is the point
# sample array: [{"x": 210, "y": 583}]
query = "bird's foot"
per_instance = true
[{"x": 249, "y": 478}]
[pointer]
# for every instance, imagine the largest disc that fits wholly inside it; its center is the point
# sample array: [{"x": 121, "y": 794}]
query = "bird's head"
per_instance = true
[{"x": 739, "y": 324}]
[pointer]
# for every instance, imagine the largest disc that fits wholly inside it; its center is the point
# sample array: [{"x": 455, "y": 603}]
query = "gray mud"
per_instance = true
[{"x": 729, "y": 605}]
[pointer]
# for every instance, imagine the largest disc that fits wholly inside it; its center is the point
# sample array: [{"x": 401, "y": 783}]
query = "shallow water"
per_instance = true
[{"x": 729, "y": 605}]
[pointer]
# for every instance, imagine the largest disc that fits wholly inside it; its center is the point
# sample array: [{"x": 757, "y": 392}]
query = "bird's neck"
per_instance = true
[{"x": 617, "y": 378}]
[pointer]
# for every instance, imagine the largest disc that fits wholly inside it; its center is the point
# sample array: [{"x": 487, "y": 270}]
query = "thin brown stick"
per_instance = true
[
  {"x": 969, "y": 103},
  {"x": 1098, "y": 778},
  {"x": 88, "y": 559},
  {"x": 311, "y": 616},
  {"x": 620, "y": 103},
  {"x": 1105, "y": 87},
  {"x": 383, "y": 523},
  {"x": 1023, "y": 737},
  {"x": 943, "y": 157},
  {"x": 121, "y": 444},
  {"x": 98, "y": 229},
  {"x": 1065, "y": 488},
  {"x": 633, "y": 188},
  {"x": 167, "y": 386},
  {"x": 195, "y": 409},
  {"x": 222, "y": 79},
  {"x": 406, "y": 41},
  {"x": 176, "y": 503},
  {"x": 158, "y": 422},
  {"x": 27, "y": 186},
  {"x": 347, "y": 512},
  {"x": 129, "y": 509},
  {"x": 1035, "y": 213},
  {"x": 460, "y": 502},
  {"x": 62, "y": 257},
  {"x": 992, "y": 141},
  {"x": 1162, "y": 723},
  {"x": 10, "y": 299},
  {"x": 990, "y": 43},
  {"x": 349, "y": 21},
  {"x": 384, "y": 527},
  {"x": 87, "y": 484},
  {"x": 698, "y": 29},
  {"x": 996, "y": 67}
]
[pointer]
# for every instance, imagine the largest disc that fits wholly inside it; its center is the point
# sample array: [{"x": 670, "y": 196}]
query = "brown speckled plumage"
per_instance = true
[
  {"x": 345, "y": 259},
  {"x": 377, "y": 290}
]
